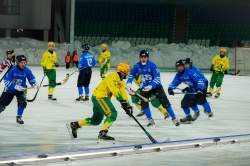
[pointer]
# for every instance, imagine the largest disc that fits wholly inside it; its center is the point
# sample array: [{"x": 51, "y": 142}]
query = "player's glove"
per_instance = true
[
  {"x": 35, "y": 86},
  {"x": 147, "y": 88},
  {"x": 44, "y": 71},
  {"x": 199, "y": 93},
  {"x": 211, "y": 69},
  {"x": 185, "y": 90},
  {"x": 128, "y": 88},
  {"x": 170, "y": 92},
  {"x": 57, "y": 64},
  {"x": 225, "y": 72},
  {"x": 124, "y": 105},
  {"x": 19, "y": 88},
  {"x": 129, "y": 111}
]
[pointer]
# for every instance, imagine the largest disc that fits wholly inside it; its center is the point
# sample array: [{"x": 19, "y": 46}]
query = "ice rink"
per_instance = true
[{"x": 45, "y": 132}]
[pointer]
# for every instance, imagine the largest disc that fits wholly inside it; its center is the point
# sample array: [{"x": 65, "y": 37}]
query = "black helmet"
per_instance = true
[
  {"x": 85, "y": 46},
  {"x": 20, "y": 58},
  {"x": 179, "y": 63},
  {"x": 9, "y": 52},
  {"x": 188, "y": 61},
  {"x": 144, "y": 53}
]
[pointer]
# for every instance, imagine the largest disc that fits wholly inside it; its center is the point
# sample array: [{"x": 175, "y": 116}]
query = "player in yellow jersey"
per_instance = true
[
  {"x": 219, "y": 66},
  {"x": 112, "y": 85},
  {"x": 104, "y": 60},
  {"x": 155, "y": 102},
  {"x": 49, "y": 64}
]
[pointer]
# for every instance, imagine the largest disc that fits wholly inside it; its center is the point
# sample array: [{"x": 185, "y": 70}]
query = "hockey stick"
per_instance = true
[
  {"x": 145, "y": 131},
  {"x": 61, "y": 83},
  {"x": 234, "y": 74},
  {"x": 36, "y": 91},
  {"x": 142, "y": 97},
  {"x": 188, "y": 93},
  {"x": 6, "y": 73}
]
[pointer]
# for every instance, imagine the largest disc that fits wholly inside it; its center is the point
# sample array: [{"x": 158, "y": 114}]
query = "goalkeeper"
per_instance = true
[
  {"x": 219, "y": 67},
  {"x": 104, "y": 60}
]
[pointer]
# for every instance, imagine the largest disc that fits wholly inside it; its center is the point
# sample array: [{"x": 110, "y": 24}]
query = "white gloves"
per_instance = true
[
  {"x": 19, "y": 88},
  {"x": 128, "y": 87},
  {"x": 35, "y": 86},
  {"x": 147, "y": 88}
]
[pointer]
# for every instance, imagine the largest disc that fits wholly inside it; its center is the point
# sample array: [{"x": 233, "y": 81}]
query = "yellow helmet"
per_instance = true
[
  {"x": 123, "y": 68},
  {"x": 51, "y": 44},
  {"x": 223, "y": 50},
  {"x": 104, "y": 45}
]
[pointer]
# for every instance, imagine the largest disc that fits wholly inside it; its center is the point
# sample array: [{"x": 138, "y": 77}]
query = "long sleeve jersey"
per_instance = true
[
  {"x": 190, "y": 78},
  {"x": 220, "y": 64},
  {"x": 49, "y": 60},
  {"x": 4, "y": 64},
  {"x": 112, "y": 85},
  {"x": 197, "y": 71},
  {"x": 105, "y": 58},
  {"x": 149, "y": 73},
  {"x": 18, "y": 77},
  {"x": 87, "y": 59}
]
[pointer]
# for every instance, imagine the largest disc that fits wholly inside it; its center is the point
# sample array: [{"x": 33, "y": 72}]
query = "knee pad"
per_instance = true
[{"x": 22, "y": 103}]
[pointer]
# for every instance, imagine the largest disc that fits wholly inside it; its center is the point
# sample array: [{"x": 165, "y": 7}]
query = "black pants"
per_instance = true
[
  {"x": 190, "y": 100},
  {"x": 67, "y": 65},
  {"x": 76, "y": 63},
  {"x": 6, "y": 99},
  {"x": 160, "y": 94},
  {"x": 84, "y": 77}
]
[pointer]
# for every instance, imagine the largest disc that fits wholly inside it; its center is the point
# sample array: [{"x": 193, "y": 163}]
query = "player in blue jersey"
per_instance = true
[
  {"x": 86, "y": 62},
  {"x": 196, "y": 84},
  {"x": 150, "y": 85},
  {"x": 15, "y": 85}
]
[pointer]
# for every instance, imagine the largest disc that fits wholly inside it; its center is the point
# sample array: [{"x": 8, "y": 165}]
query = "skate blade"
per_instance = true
[
  {"x": 152, "y": 126},
  {"x": 52, "y": 101},
  {"x": 19, "y": 125},
  {"x": 187, "y": 122},
  {"x": 70, "y": 131},
  {"x": 101, "y": 141},
  {"x": 81, "y": 101}
]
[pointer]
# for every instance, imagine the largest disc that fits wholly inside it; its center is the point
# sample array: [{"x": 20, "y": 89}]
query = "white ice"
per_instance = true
[{"x": 44, "y": 130}]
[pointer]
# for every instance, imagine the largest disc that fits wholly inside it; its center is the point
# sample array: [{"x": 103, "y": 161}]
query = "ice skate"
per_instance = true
[
  {"x": 166, "y": 115},
  {"x": 73, "y": 127},
  {"x": 217, "y": 95},
  {"x": 86, "y": 99},
  {"x": 103, "y": 137},
  {"x": 51, "y": 98},
  {"x": 151, "y": 123},
  {"x": 209, "y": 94},
  {"x": 19, "y": 120},
  {"x": 196, "y": 115},
  {"x": 79, "y": 99},
  {"x": 187, "y": 120},
  {"x": 210, "y": 115},
  {"x": 176, "y": 122},
  {"x": 140, "y": 114}
]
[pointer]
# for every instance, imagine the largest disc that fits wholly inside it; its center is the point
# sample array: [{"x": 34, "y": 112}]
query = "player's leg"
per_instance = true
[
  {"x": 51, "y": 74},
  {"x": 86, "y": 82},
  {"x": 21, "y": 105},
  {"x": 155, "y": 103},
  {"x": 219, "y": 81},
  {"x": 212, "y": 83},
  {"x": 5, "y": 100},
  {"x": 161, "y": 95}
]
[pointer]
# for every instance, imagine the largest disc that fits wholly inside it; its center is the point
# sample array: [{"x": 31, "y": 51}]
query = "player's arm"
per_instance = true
[
  {"x": 132, "y": 74},
  {"x": 44, "y": 61},
  {"x": 175, "y": 82},
  {"x": 31, "y": 78},
  {"x": 156, "y": 75}
]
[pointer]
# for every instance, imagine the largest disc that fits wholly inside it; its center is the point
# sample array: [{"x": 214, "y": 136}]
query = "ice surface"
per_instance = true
[{"x": 44, "y": 130}]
